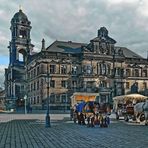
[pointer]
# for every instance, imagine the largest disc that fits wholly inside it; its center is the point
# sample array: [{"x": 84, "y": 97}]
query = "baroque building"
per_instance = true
[{"x": 95, "y": 67}]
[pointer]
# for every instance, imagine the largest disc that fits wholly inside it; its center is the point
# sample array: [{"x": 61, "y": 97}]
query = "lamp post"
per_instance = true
[
  {"x": 25, "y": 98},
  {"x": 47, "y": 118}
]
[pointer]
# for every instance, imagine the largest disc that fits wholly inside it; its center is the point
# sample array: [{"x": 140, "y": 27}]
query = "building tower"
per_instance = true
[{"x": 20, "y": 48}]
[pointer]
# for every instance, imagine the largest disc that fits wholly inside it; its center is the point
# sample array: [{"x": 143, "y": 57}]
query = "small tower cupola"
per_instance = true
[
  {"x": 103, "y": 44},
  {"x": 20, "y": 17},
  {"x": 102, "y": 32},
  {"x": 20, "y": 26},
  {"x": 43, "y": 44}
]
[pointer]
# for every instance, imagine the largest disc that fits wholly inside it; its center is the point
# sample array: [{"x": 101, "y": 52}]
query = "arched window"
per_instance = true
[{"x": 21, "y": 58}]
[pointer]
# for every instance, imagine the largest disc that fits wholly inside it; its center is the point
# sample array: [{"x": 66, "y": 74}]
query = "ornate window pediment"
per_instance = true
[{"x": 87, "y": 69}]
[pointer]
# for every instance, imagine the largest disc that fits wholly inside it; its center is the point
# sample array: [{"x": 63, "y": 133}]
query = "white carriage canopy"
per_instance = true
[{"x": 134, "y": 98}]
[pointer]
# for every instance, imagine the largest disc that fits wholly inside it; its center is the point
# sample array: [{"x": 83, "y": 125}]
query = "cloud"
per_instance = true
[
  {"x": 126, "y": 21},
  {"x": 2, "y": 74}
]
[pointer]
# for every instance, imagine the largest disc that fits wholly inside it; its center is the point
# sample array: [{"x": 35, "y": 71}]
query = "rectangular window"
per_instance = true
[
  {"x": 128, "y": 74},
  {"x": 63, "y": 69},
  {"x": 136, "y": 72},
  {"x": 34, "y": 102},
  {"x": 37, "y": 85},
  {"x": 52, "y": 83},
  {"x": 31, "y": 101},
  {"x": 52, "y": 69},
  {"x": 34, "y": 72},
  {"x": 31, "y": 87},
  {"x": 144, "y": 73},
  {"x": 127, "y": 85},
  {"x": 58, "y": 99},
  {"x": 52, "y": 98},
  {"x": 31, "y": 73},
  {"x": 74, "y": 83},
  {"x": 38, "y": 100},
  {"x": 64, "y": 84},
  {"x": 34, "y": 86},
  {"x": 28, "y": 75},
  {"x": 63, "y": 98},
  {"x": 144, "y": 85},
  {"x": 38, "y": 70}
]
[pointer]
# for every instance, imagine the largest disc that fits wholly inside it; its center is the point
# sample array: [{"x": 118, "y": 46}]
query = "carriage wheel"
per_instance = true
[
  {"x": 134, "y": 118},
  {"x": 142, "y": 118}
]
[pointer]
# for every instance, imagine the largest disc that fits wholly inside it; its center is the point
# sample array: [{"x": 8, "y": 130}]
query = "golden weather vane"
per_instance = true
[{"x": 20, "y": 7}]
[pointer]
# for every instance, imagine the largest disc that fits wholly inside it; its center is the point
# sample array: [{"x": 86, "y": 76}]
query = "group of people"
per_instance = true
[{"x": 91, "y": 114}]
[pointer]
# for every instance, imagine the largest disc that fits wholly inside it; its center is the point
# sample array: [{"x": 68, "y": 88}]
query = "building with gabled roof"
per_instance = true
[{"x": 65, "y": 67}]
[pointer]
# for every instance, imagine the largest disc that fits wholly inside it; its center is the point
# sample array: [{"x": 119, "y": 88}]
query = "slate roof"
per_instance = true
[
  {"x": 76, "y": 48},
  {"x": 66, "y": 47},
  {"x": 128, "y": 53}
]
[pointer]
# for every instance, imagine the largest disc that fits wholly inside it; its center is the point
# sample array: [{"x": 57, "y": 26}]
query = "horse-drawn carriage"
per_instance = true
[
  {"x": 125, "y": 106},
  {"x": 87, "y": 109}
]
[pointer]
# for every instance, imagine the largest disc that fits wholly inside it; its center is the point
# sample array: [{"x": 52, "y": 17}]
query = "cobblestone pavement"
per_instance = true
[{"x": 28, "y": 131}]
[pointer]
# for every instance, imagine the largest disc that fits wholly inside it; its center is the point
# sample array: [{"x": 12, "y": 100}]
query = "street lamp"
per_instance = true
[
  {"x": 25, "y": 98},
  {"x": 47, "y": 118}
]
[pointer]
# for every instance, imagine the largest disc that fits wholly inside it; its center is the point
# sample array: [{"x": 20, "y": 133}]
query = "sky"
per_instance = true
[{"x": 78, "y": 21}]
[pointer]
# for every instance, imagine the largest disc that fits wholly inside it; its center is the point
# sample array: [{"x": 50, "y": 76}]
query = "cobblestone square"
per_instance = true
[{"x": 28, "y": 131}]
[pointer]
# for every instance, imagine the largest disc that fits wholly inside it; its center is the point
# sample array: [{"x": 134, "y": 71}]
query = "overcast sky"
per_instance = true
[{"x": 77, "y": 20}]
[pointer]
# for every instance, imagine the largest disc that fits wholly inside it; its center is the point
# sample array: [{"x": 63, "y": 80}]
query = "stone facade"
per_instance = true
[{"x": 61, "y": 69}]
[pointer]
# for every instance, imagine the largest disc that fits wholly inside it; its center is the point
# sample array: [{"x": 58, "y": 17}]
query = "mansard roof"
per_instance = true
[
  {"x": 128, "y": 53},
  {"x": 66, "y": 47}
]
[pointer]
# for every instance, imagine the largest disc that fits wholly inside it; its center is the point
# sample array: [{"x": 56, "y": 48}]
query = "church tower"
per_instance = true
[
  {"x": 20, "y": 45},
  {"x": 20, "y": 48}
]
